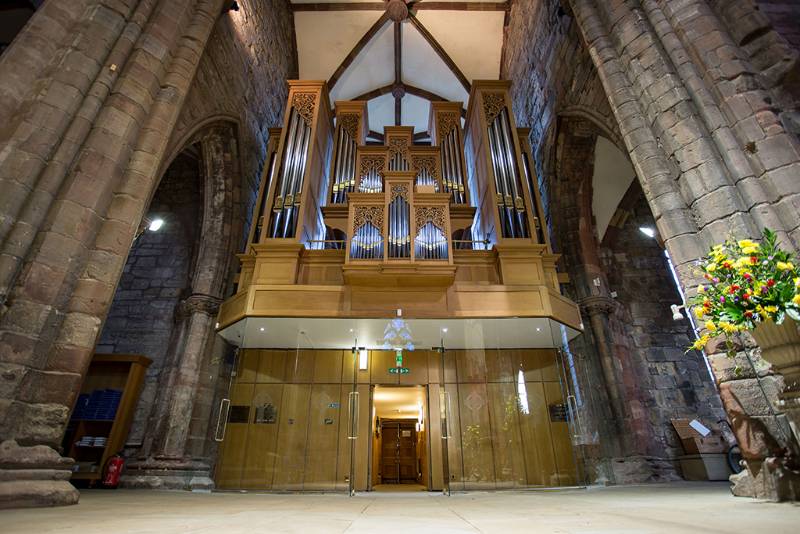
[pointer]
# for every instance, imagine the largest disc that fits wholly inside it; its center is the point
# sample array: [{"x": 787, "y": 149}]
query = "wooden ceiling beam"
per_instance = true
[
  {"x": 414, "y": 6},
  {"x": 366, "y": 38},
  {"x": 428, "y": 95},
  {"x": 375, "y": 93},
  {"x": 440, "y": 51}
]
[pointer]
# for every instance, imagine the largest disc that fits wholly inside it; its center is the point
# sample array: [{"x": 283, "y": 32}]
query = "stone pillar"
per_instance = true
[
  {"x": 167, "y": 464},
  {"x": 77, "y": 208},
  {"x": 599, "y": 308},
  {"x": 708, "y": 148}
]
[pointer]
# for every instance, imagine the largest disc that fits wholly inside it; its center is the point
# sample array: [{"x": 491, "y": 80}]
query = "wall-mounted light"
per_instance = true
[
  {"x": 156, "y": 224},
  {"x": 676, "y": 312},
  {"x": 363, "y": 359},
  {"x": 646, "y": 230}
]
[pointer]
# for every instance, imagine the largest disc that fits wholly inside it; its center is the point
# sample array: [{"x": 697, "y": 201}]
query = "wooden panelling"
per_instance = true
[
  {"x": 501, "y": 432},
  {"x": 559, "y": 433},
  {"x": 539, "y": 454},
  {"x": 471, "y": 365},
  {"x": 325, "y": 416},
  {"x": 454, "y": 448},
  {"x": 234, "y": 446},
  {"x": 292, "y": 438},
  {"x": 271, "y": 366},
  {"x": 476, "y": 437},
  {"x": 300, "y": 365},
  {"x": 262, "y": 436},
  {"x": 500, "y": 365},
  {"x": 509, "y": 463},
  {"x": 328, "y": 366}
]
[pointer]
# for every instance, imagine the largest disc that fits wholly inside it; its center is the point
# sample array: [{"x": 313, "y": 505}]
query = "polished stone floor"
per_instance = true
[{"x": 685, "y": 507}]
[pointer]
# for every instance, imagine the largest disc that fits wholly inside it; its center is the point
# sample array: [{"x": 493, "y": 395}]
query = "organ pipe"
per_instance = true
[
  {"x": 451, "y": 167},
  {"x": 287, "y": 201},
  {"x": 344, "y": 165},
  {"x": 399, "y": 239},
  {"x": 510, "y": 204}
]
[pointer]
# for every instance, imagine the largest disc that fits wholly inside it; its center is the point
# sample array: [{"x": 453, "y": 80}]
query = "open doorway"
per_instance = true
[{"x": 400, "y": 441}]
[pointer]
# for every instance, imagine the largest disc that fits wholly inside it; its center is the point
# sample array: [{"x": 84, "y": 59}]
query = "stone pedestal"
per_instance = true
[{"x": 34, "y": 476}]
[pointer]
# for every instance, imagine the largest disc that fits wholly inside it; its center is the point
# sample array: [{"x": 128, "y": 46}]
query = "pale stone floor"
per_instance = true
[{"x": 684, "y": 507}]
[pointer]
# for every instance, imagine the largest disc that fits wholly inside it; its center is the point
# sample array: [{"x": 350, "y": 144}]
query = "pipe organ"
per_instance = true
[
  {"x": 464, "y": 208},
  {"x": 349, "y": 239}
]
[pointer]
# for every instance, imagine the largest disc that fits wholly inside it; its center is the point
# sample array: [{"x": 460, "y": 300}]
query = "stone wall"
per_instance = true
[
  {"x": 552, "y": 76},
  {"x": 95, "y": 105},
  {"x": 661, "y": 381},
  {"x": 242, "y": 77},
  {"x": 155, "y": 279}
]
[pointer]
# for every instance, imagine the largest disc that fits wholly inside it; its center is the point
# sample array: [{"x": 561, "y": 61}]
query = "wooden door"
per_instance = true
[{"x": 398, "y": 452}]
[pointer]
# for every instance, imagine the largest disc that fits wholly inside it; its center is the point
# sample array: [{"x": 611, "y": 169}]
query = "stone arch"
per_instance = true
[
  {"x": 183, "y": 382},
  {"x": 631, "y": 347}
]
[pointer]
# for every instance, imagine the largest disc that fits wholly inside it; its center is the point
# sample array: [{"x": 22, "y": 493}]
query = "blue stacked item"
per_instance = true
[
  {"x": 102, "y": 404},
  {"x": 80, "y": 406}
]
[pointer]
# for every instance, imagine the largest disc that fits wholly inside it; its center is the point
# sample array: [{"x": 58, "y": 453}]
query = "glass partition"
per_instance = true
[{"x": 503, "y": 402}]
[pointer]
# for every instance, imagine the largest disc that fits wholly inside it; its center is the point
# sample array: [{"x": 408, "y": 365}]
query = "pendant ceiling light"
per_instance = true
[{"x": 397, "y": 334}]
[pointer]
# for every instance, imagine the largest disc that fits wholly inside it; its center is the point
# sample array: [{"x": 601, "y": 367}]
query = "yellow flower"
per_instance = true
[
  {"x": 699, "y": 312},
  {"x": 750, "y": 250},
  {"x": 771, "y": 309},
  {"x": 727, "y": 327},
  {"x": 796, "y": 299},
  {"x": 701, "y": 342},
  {"x": 784, "y": 266},
  {"x": 711, "y": 267},
  {"x": 747, "y": 243},
  {"x": 701, "y": 289},
  {"x": 711, "y": 326}
]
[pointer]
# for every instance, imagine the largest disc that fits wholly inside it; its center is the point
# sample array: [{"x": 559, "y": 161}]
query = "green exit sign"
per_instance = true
[{"x": 399, "y": 370}]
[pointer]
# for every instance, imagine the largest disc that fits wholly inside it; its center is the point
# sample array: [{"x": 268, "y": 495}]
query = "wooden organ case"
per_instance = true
[{"x": 349, "y": 229}]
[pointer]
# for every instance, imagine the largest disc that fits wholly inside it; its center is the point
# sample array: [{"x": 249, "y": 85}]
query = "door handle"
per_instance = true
[{"x": 224, "y": 407}]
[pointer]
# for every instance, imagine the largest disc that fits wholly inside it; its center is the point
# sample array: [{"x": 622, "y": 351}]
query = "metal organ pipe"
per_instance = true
[
  {"x": 507, "y": 230},
  {"x": 281, "y": 187},
  {"x": 513, "y": 173},
  {"x": 292, "y": 206},
  {"x": 337, "y": 166}
]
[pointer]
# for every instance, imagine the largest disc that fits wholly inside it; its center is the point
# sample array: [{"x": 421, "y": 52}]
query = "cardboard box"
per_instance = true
[
  {"x": 694, "y": 443},
  {"x": 705, "y": 467}
]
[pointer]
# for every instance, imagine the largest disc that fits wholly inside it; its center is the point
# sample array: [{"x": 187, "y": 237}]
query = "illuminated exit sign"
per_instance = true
[{"x": 399, "y": 370}]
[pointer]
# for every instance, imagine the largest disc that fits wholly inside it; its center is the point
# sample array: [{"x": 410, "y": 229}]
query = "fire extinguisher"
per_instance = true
[{"x": 113, "y": 471}]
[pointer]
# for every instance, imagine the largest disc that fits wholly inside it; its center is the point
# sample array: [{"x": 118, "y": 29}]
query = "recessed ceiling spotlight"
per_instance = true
[
  {"x": 444, "y": 330},
  {"x": 262, "y": 328}
]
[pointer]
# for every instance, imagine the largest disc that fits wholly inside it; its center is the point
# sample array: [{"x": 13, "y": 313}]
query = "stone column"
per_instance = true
[
  {"x": 57, "y": 283},
  {"x": 712, "y": 157},
  {"x": 599, "y": 308},
  {"x": 166, "y": 464}
]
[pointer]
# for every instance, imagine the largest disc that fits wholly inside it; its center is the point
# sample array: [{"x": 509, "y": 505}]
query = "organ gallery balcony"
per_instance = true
[{"x": 344, "y": 228}]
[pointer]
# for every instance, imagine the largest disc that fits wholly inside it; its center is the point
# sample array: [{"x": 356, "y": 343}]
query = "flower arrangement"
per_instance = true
[{"x": 746, "y": 283}]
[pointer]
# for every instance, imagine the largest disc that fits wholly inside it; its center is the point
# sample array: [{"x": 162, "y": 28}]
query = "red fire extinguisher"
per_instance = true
[{"x": 113, "y": 471}]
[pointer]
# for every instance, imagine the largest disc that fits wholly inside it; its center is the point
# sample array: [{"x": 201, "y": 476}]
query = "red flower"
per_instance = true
[
  {"x": 770, "y": 282},
  {"x": 753, "y": 260},
  {"x": 748, "y": 313},
  {"x": 747, "y": 276},
  {"x": 727, "y": 264},
  {"x": 733, "y": 289},
  {"x": 746, "y": 296}
]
